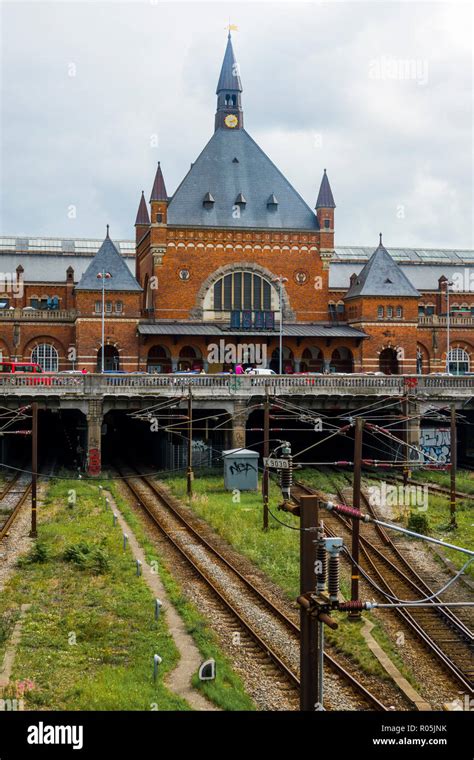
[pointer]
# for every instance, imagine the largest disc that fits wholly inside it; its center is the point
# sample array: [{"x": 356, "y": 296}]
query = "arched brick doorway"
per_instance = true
[
  {"x": 388, "y": 361},
  {"x": 111, "y": 359}
]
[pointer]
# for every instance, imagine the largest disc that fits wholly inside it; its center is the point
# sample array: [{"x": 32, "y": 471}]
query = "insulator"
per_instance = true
[
  {"x": 333, "y": 578},
  {"x": 287, "y": 479},
  {"x": 351, "y": 605},
  {"x": 322, "y": 566},
  {"x": 343, "y": 509}
]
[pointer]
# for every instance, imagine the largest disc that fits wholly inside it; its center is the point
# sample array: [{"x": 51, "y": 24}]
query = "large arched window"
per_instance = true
[
  {"x": 46, "y": 356},
  {"x": 189, "y": 359},
  {"x": 158, "y": 360},
  {"x": 241, "y": 291},
  {"x": 458, "y": 361},
  {"x": 342, "y": 360}
]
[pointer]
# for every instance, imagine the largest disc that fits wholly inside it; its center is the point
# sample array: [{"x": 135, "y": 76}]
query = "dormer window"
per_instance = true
[
  {"x": 208, "y": 201},
  {"x": 240, "y": 200},
  {"x": 272, "y": 203}
]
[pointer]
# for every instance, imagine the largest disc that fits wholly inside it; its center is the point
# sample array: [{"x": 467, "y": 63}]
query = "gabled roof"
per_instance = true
[
  {"x": 158, "y": 191},
  {"x": 325, "y": 196},
  {"x": 229, "y": 78},
  {"x": 381, "y": 277},
  {"x": 108, "y": 259},
  {"x": 253, "y": 175},
  {"x": 142, "y": 213}
]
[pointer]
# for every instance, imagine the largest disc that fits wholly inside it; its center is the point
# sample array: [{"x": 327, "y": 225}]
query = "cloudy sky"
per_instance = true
[{"x": 95, "y": 93}]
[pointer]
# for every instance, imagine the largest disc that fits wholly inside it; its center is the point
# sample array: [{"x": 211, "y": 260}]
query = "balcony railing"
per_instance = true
[
  {"x": 434, "y": 320},
  {"x": 35, "y": 315}
]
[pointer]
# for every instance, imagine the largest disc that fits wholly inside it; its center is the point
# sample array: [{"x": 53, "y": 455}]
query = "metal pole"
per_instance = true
[
  {"x": 447, "y": 326},
  {"x": 103, "y": 323},
  {"x": 266, "y": 452},
  {"x": 34, "y": 465},
  {"x": 359, "y": 426},
  {"x": 454, "y": 463},
  {"x": 310, "y": 680},
  {"x": 189, "y": 475},
  {"x": 406, "y": 466},
  {"x": 281, "y": 330}
]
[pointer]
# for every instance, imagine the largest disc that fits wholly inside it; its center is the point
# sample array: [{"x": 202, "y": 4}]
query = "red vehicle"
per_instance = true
[
  {"x": 30, "y": 367},
  {"x": 30, "y": 372}
]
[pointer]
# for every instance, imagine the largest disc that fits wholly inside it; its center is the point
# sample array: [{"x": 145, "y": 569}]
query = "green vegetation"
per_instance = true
[
  {"x": 89, "y": 638},
  {"x": 438, "y": 524},
  {"x": 276, "y": 553},
  {"x": 418, "y": 522},
  {"x": 464, "y": 478},
  {"x": 227, "y": 690}
]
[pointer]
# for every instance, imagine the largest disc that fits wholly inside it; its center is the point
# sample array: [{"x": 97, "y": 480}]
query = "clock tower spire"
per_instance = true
[{"x": 229, "y": 114}]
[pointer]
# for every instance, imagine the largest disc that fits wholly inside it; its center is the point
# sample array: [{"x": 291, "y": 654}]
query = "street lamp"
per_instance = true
[
  {"x": 448, "y": 285},
  {"x": 103, "y": 276},
  {"x": 280, "y": 281}
]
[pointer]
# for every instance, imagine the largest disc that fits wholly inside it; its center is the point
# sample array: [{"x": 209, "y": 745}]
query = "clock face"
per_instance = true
[{"x": 231, "y": 120}]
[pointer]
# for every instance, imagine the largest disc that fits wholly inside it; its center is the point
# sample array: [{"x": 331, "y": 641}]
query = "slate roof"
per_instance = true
[
  {"x": 158, "y": 191},
  {"x": 423, "y": 277},
  {"x": 381, "y": 276},
  {"x": 229, "y": 78},
  {"x": 325, "y": 196},
  {"x": 142, "y": 213},
  {"x": 253, "y": 175},
  {"x": 108, "y": 259},
  {"x": 299, "y": 329}
]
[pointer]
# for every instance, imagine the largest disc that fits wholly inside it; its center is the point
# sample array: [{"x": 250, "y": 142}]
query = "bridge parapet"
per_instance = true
[{"x": 220, "y": 386}]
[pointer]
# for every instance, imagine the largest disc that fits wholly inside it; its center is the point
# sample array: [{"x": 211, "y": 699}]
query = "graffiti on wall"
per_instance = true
[
  {"x": 435, "y": 443},
  {"x": 94, "y": 462}
]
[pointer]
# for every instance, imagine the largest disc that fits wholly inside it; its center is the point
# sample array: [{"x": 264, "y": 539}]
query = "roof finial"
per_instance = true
[
  {"x": 107, "y": 231},
  {"x": 380, "y": 238}
]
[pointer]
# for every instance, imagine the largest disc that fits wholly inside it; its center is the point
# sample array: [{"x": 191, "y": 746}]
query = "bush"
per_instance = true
[
  {"x": 38, "y": 553},
  {"x": 92, "y": 556},
  {"x": 418, "y": 522},
  {"x": 78, "y": 553}
]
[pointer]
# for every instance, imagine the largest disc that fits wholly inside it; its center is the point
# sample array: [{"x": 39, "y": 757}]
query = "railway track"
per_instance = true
[
  {"x": 439, "y": 629},
  {"x": 432, "y": 487},
  {"x": 238, "y": 594},
  {"x": 12, "y": 499}
]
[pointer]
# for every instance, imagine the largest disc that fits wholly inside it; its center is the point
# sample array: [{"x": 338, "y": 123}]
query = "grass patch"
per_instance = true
[
  {"x": 227, "y": 690},
  {"x": 276, "y": 553},
  {"x": 89, "y": 638}
]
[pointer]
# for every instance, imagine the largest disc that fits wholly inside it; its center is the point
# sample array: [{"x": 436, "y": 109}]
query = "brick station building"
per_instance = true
[{"x": 217, "y": 265}]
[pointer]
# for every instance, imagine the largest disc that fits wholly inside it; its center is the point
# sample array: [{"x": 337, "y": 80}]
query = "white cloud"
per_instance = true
[{"x": 145, "y": 69}]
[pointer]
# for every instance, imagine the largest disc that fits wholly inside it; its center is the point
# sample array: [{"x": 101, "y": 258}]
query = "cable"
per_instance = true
[{"x": 408, "y": 601}]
